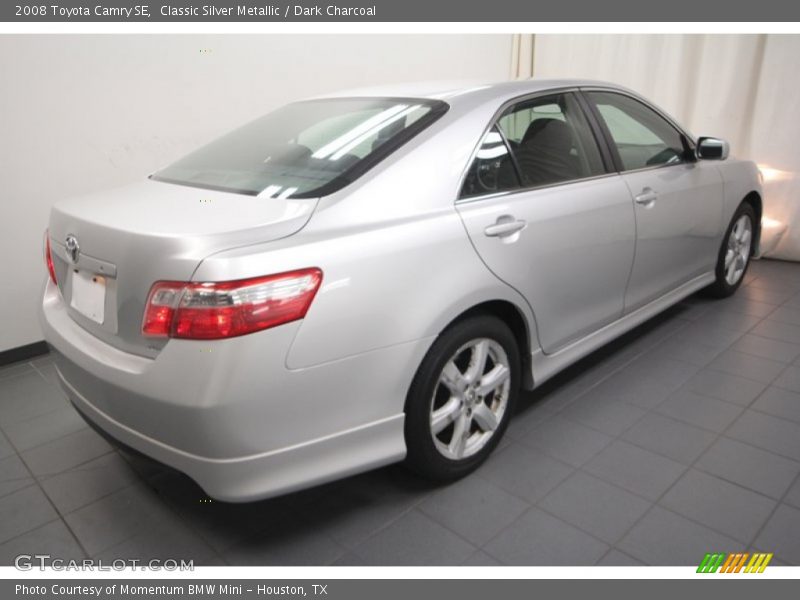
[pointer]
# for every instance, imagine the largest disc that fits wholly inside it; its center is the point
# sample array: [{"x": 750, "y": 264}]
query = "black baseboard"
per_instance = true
[{"x": 23, "y": 353}]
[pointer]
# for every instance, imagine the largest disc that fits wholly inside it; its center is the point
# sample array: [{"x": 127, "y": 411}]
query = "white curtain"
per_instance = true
[
  {"x": 743, "y": 88},
  {"x": 522, "y": 48}
]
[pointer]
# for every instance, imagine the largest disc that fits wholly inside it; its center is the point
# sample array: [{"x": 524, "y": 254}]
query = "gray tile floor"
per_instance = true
[{"x": 681, "y": 438}]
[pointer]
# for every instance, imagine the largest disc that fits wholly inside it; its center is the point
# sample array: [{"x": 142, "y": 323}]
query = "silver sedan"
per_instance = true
[{"x": 373, "y": 276}]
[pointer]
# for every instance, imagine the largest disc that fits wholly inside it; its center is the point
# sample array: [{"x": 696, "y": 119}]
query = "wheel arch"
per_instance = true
[
  {"x": 753, "y": 198},
  {"x": 516, "y": 321}
]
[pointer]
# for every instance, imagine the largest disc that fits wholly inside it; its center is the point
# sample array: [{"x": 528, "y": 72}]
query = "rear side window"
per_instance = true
[
  {"x": 551, "y": 141},
  {"x": 642, "y": 137},
  {"x": 543, "y": 141},
  {"x": 493, "y": 168},
  {"x": 305, "y": 149}
]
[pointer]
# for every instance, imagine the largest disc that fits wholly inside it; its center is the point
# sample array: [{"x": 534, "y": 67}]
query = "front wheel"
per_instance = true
[
  {"x": 461, "y": 398},
  {"x": 734, "y": 256}
]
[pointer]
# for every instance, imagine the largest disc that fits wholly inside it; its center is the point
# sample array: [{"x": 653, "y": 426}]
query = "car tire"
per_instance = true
[
  {"x": 735, "y": 252},
  {"x": 461, "y": 399}
]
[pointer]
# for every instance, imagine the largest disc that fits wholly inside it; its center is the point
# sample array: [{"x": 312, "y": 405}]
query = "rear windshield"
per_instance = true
[{"x": 305, "y": 149}]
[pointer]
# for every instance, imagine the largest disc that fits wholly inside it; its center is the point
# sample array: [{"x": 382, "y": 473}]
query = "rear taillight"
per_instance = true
[
  {"x": 214, "y": 310},
  {"x": 48, "y": 257}
]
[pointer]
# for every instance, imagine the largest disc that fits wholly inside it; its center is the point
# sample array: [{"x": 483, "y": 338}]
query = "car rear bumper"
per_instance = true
[
  {"x": 271, "y": 473},
  {"x": 230, "y": 414}
]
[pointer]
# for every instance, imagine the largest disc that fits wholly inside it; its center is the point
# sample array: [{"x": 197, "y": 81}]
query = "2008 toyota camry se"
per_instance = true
[{"x": 359, "y": 279}]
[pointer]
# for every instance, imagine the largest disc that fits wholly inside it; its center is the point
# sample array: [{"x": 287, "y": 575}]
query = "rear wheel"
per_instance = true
[
  {"x": 461, "y": 399},
  {"x": 735, "y": 253}
]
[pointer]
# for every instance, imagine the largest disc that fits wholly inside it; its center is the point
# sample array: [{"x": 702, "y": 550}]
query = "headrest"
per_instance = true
[{"x": 548, "y": 133}]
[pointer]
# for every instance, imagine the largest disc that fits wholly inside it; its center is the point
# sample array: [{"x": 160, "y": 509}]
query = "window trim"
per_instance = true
[
  {"x": 504, "y": 193},
  {"x": 601, "y": 143},
  {"x": 510, "y": 150},
  {"x": 686, "y": 138}
]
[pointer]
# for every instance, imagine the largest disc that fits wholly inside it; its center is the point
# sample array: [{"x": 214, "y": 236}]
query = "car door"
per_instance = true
[
  {"x": 548, "y": 217},
  {"x": 678, "y": 201}
]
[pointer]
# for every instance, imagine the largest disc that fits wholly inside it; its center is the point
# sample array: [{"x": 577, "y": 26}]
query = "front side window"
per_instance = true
[
  {"x": 642, "y": 137},
  {"x": 305, "y": 149}
]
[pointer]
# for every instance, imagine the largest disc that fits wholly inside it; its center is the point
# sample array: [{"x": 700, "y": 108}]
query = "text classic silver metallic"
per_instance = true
[{"x": 373, "y": 276}]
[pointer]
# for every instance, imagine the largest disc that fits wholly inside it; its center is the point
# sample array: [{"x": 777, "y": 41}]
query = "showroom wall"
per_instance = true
[{"x": 82, "y": 113}]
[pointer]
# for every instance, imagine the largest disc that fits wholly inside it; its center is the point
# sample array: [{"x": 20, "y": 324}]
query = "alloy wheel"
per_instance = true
[
  {"x": 470, "y": 398},
  {"x": 738, "y": 252}
]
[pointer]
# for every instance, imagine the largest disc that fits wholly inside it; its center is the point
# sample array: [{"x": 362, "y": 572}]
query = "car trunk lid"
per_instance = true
[{"x": 131, "y": 237}]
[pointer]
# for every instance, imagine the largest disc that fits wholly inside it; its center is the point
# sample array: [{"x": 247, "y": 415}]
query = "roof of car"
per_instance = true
[{"x": 457, "y": 91}]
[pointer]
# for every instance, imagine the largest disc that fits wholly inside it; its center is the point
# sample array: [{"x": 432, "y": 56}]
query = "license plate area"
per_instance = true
[{"x": 89, "y": 295}]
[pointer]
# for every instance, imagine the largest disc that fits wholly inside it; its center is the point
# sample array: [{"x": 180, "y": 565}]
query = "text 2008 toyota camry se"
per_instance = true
[{"x": 359, "y": 279}]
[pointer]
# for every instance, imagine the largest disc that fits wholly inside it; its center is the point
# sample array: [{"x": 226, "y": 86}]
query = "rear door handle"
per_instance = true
[
  {"x": 505, "y": 226},
  {"x": 647, "y": 198}
]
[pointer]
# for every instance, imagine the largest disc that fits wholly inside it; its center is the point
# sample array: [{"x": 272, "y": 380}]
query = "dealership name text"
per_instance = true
[
  {"x": 123, "y": 589},
  {"x": 207, "y": 10}
]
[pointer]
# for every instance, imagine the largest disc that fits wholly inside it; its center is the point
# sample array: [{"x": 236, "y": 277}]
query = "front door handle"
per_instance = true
[
  {"x": 505, "y": 226},
  {"x": 647, "y": 198}
]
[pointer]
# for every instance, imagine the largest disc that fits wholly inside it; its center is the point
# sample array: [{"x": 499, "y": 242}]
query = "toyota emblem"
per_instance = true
[{"x": 73, "y": 248}]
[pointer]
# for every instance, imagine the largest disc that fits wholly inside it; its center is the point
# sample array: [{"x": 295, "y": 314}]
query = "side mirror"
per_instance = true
[{"x": 709, "y": 148}]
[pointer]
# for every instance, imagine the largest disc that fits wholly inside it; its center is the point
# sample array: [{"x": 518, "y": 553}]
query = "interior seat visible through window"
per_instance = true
[
  {"x": 545, "y": 153},
  {"x": 537, "y": 142},
  {"x": 551, "y": 141}
]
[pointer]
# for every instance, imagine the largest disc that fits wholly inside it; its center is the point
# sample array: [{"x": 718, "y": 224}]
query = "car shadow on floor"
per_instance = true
[{"x": 351, "y": 510}]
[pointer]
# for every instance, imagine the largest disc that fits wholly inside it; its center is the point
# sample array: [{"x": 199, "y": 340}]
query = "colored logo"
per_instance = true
[{"x": 734, "y": 562}]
